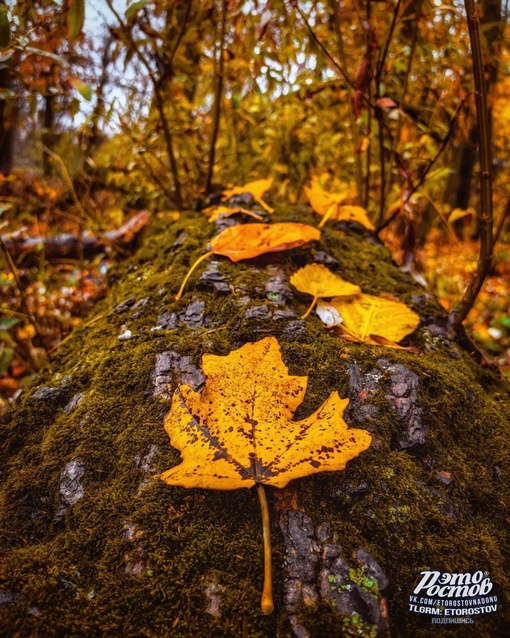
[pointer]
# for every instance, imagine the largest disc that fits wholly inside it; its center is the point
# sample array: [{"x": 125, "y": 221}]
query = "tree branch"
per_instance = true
[{"x": 485, "y": 213}]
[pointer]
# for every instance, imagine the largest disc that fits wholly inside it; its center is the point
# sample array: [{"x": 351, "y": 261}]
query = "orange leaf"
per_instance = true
[
  {"x": 256, "y": 190},
  {"x": 251, "y": 240}
]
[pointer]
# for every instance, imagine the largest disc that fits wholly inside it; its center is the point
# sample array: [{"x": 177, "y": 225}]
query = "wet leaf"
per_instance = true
[
  {"x": 240, "y": 430},
  {"x": 318, "y": 281},
  {"x": 368, "y": 319}
]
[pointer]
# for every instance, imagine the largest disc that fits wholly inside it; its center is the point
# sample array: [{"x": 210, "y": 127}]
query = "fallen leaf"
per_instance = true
[
  {"x": 319, "y": 199},
  {"x": 239, "y": 432},
  {"x": 319, "y": 281},
  {"x": 330, "y": 206},
  {"x": 256, "y": 189},
  {"x": 367, "y": 318},
  {"x": 246, "y": 241}
]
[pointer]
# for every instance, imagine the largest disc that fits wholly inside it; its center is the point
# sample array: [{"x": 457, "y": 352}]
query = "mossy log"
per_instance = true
[{"x": 91, "y": 544}]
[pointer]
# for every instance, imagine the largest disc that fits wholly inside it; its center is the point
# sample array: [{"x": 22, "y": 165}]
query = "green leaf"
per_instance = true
[
  {"x": 85, "y": 90},
  {"x": 135, "y": 7},
  {"x": 75, "y": 18},
  {"x": 8, "y": 322},
  {"x": 6, "y": 357}
]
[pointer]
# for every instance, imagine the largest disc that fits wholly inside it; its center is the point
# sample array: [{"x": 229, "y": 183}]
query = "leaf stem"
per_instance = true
[
  {"x": 266, "y": 602},
  {"x": 310, "y": 308},
  {"x": 198, "y": 261}
]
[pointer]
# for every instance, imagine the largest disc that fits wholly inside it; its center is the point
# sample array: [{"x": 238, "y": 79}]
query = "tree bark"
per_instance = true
[{"x": 92, "y": 543}]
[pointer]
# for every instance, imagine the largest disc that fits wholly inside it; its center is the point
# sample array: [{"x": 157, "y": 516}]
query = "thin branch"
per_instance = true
[
  {"x": 484, "y": 144},
  {"x": 337, "y": 66},
  {"x": 352, "y": 120},
  {"x": 501, "y": 222},
  {"x": 369, "y": 116},
  {"x": 432, "y": 162},
  {"x": 160, "y": 104},
  {"x": 383, "y": 53},
  {"x": 217, "y": 99},
  {"x": 402, "y": 100}
]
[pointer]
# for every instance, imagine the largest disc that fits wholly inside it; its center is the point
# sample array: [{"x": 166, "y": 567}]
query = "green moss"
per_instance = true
[{"x": 70, "y": 572}]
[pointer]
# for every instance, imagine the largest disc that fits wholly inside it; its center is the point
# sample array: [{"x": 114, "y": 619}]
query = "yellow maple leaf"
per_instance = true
[
  {"x": 330, "y": 206},
  {"x": 256, "y": 189},
  {"x": 319, "y": 281},
  {"x": 367, "y": 318},
  {"x": 251, "y": 240},
  {"x": 239, "y": 432}
]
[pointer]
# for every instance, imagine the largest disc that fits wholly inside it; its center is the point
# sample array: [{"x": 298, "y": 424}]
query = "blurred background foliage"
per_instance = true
[{"x": 111, "y": 107}]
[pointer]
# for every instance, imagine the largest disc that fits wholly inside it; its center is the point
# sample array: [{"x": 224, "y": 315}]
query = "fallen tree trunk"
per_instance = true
[
  {"x": 92, "y": 544},
  {"x": 122, "y": 239}
]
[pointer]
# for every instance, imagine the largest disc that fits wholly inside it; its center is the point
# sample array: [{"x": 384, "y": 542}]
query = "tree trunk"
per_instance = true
[{"x": 93, "y": 544}]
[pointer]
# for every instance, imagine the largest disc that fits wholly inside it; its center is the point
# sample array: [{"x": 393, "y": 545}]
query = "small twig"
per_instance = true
[
  {"x": 337, "y": 66},
  {"x": 160, "y": 104},
  {"x": 432, "y": 162},
  {"x": 56, "y": 157},
  {"x": 486, "y": 215},
  {"x": 396, "y": 137},
  {"x": 352, "y": 120},
  {"x": 217, "y": 99},
  {"x": 501, "y": 222}
]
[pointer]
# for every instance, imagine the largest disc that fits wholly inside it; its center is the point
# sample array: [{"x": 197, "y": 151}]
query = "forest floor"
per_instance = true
[{"x": 42, "y": 300}]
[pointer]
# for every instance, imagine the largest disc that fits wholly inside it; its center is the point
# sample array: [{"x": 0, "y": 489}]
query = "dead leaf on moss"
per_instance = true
[
  {"x": 319, "y": 281},
  {"x": 370, "y": 319},
  {"x": 256, "y": 189},
  {"x": 330, "y": 206},
  {"x": 240, "y": 432},
  {"x": 251, "y": 240}
]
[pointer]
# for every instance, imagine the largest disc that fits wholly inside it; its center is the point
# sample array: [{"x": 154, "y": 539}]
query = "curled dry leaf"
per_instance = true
[
  {"x": 251, "y": 240},
  {"x": 319, "y": 281},
  {"x": 256, "y": 189},
  {"x": 370, "y": 319},
  {"x": 240, "y": 432}
]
